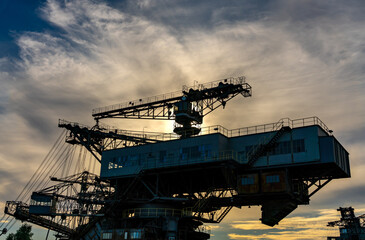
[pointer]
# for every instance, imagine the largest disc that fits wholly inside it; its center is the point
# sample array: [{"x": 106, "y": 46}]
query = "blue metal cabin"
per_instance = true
[
  {"x": 278, "y": 166},
  {"x": 41, "y": 204},
  {"x": 308, "y": 146},
  {"x": 166, "y": 186}
]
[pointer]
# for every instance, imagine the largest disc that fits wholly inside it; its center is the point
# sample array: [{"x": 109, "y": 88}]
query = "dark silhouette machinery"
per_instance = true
[
  {"x": 351, "y": 227},
  {"x": 166, "y": 186}
]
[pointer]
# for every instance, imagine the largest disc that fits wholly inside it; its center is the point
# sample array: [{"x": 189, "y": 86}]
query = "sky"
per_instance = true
[{"x": 60, "y": 59}]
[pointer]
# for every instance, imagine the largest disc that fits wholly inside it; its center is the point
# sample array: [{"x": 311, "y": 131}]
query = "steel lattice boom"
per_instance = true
[
  {"x": 351, "y": 227},
  {"x": 187, "y": 108},
  {"x": 98, "y": 139},
  {"x": 156, "y": 186}
]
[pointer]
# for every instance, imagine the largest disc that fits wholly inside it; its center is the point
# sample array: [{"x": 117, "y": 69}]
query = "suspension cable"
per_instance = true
[
  {"x": 33, "y": 180},
  {"x": 60, "y": 157}
]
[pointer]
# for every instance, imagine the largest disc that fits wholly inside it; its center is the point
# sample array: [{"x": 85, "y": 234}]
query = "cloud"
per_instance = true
[
  {"x": 302, "y": 59},
  {"x": 305, "y": 226},
  {"x": 99, "y": 47},
  {"x": 295, "y": 227}
]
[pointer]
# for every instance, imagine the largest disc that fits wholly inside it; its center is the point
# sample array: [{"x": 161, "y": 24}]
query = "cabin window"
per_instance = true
[
  {"x": 163, "y": 156},
  {"x": 272, "y": 179},
  {"x": 205, "y": 151},
  {"x": 184, "y": 153},
  {"x": 194, "y": 152},
  {"x": 247, "y": 180},
  {"x": 136, "y": 234},
  {"x": 283, "y": 147},
  {"x": 107, "y": 236},
  {"x": 41, "y": 203},
  {"x": 134, "y": 159},
  {"x": 119, "y": 162},
  {"x": 298, "y": 146},
  {"x": 125, "y": 161}
]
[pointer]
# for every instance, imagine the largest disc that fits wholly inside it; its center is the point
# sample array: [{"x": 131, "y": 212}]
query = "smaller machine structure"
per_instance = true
[{"x": 351, "y": 227}]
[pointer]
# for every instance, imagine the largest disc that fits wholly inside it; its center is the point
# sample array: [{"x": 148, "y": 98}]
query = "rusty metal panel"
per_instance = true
[
  {"x": 248, "y": 184},
  {"x": 273, "y": 181}
]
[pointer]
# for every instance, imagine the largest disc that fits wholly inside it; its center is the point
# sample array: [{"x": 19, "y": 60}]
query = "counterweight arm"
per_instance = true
[
  {"x": 187, "y": 107},
  {"x": 96, "y": 140}
]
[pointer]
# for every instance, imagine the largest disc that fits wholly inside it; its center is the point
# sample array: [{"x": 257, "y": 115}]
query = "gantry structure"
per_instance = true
[
  {"x": 168, "y": 186},
  {"x": 350, "y": 226}
]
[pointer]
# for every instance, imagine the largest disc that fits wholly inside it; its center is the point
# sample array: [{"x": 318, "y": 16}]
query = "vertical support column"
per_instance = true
[{"x": 171, "y": 225}]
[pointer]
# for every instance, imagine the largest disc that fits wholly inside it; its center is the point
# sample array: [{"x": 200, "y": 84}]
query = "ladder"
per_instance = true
[{"x": 266, "y": 143}]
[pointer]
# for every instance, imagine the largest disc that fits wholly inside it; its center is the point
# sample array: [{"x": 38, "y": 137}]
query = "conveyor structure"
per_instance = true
[
  {"x": 350, "y": 226},
  {"x": 167, "y": 186}
]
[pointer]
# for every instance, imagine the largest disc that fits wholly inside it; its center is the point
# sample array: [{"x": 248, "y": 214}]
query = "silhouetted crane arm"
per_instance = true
[
  {"x": 335, "y": 223},
  {"x": 203, "y": 96},
  {"x": 95, "y": 140}
]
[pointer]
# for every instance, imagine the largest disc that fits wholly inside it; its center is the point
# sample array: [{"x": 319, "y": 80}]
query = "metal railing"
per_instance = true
[
  {"x": 265, "y": 140},
  {"x": 137, "y": 102},
  {"x": 264, "y": 128},
  {"x": 270, "y": 127},
  {"x": 62, "y": 122},
  {"x": 109, "y": 129},
  {"x": 157, "y": 212},
  {"x": 141, "y": 101}
]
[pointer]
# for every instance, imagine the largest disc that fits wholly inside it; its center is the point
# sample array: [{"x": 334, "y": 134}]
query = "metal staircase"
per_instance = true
[
  {"x": 224, "y": 213},
  {"x": 267, "y": 142},
  {"x": 204, "y": 208},
  {"x": 202, "y": 204}
]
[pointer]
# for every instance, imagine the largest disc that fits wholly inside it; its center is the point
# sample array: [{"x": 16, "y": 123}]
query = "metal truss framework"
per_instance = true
[
  {"x": 314, "y": 185},
  {"x": 20, "y": 211},
  {"x": 205, "y": 97},
  {"x": 77, "y": 199},
  {"x": 207, "y": 195},
  {"x": 348, "y": 218},
  {"x": 351, "y": 227},
  {"x": 80, "y": 208},
  {"x": 98, "y": 139}
]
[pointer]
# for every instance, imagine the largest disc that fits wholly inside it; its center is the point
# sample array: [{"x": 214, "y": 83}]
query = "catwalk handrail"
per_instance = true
[
  {"x": 155, "y": 212},
  {"x": 167, "y": 96},
  {"x": 287, "y": 122},
  {"x": 263, "y": 128}
]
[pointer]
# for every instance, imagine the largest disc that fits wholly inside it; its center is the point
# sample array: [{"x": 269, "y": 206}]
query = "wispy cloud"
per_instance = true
[
  {"x": 297, "y": 227},
  {"x": 302, "y": 58}
]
